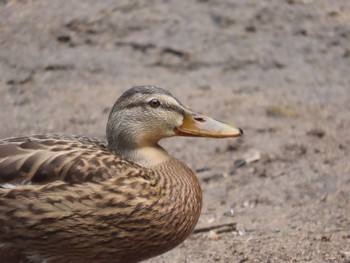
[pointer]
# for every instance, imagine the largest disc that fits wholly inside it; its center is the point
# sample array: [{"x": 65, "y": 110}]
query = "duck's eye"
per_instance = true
[{"x": 154, "y": 103}]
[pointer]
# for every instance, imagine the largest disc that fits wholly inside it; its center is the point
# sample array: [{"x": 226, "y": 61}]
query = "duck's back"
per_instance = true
[{"x": 40, "y": 159}]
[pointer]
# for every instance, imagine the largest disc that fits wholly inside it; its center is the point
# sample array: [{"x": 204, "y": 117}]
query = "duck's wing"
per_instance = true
[
  {"x": 58, "y": 192},
  {"x": 41, "y": 159}
]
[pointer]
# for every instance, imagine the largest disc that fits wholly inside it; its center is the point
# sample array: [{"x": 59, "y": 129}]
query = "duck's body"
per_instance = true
[
  {"x": 89, "y": 212},
  {"x": 75, "y": 199}
]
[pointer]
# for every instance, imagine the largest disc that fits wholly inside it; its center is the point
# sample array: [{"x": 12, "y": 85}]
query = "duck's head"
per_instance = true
[{"x": 146, "y": 114}]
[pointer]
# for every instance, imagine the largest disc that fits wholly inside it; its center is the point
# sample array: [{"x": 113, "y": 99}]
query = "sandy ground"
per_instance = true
[{"x": 279, "y": 69}]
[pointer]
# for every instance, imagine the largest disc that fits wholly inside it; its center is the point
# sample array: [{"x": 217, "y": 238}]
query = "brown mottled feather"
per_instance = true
[
  {"x": 40, "y": 159},
  {"x": 69, "y": 199}
]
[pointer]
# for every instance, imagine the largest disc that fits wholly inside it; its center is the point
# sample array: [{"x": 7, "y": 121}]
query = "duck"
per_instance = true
[{"x": 78, "y": 199}]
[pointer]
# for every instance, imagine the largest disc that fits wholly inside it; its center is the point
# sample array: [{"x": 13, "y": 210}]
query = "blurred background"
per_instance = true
[{"x": 279, "y": 69}]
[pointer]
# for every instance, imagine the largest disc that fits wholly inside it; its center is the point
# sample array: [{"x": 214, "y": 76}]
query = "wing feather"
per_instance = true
[{"x": 41, "y": 159}]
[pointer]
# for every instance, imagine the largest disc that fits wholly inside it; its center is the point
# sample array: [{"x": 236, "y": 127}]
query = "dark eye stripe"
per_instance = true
[
  {"x": 163, "y": 106},
  {"x": 172, "y": 108},
  {"x": 133, "y": 105}
]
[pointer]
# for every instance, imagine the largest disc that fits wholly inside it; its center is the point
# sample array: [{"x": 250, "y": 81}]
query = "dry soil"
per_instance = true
[{"x": 279, "y": 69}]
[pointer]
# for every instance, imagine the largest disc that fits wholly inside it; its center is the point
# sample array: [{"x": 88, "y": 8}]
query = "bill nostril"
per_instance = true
[{"x": 199, "y": 119}]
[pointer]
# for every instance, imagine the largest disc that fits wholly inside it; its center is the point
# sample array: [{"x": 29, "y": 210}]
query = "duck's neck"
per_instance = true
[{"x": 147, "y": 156}]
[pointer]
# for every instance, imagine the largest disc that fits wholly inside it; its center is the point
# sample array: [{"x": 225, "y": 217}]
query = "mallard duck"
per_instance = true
[{"x": 76, "y": 199}]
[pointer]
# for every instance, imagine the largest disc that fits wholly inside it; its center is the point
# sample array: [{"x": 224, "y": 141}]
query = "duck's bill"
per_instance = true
[{"x": 198, "y": 125}]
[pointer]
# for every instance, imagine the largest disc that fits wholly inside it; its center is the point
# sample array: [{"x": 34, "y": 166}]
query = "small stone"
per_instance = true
[
  {"x": 252, "y": 156},
  {"x": 213, "y": 235}
]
